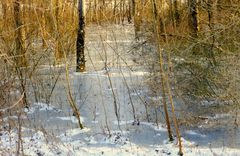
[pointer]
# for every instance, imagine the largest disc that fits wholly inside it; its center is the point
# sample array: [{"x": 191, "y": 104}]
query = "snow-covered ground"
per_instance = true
[
  {"x": 51, "y": 129},
  {"x": 83, "y": 143}
]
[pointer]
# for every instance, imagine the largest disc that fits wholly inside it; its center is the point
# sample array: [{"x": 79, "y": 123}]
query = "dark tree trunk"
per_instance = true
[
  {"x": 193, "y": 17},
  {"x": 176, "y": 13},
  {"x": 210, "y": 10},
  {"x": 131, "y": 10},
  {"x": 80, "y": 38}
]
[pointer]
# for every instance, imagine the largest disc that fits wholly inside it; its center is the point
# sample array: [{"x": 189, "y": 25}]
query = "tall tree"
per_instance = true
[
  {"x": 131, "y": 10},
  {"x": 162, "y": 73},
  {"x": 58, "y": 50},
  {"x": 137, "y": 9},
  {"x": 176, "y": 13},
  {"x": 80, "y": 38},
  {"x": 20, "y": 49},
  {"x": 165, "y": 86},
  {"x": 211, "y": 10},
  {"x": 193, "y": 17}
]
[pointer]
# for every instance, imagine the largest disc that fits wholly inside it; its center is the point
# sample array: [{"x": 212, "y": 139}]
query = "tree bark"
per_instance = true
[
  {"x": 80, "y": 38},
  {"x": 193, "y": 17},
  {"x": 20, "y": 49},
  {"x": 19, "y": 36}
]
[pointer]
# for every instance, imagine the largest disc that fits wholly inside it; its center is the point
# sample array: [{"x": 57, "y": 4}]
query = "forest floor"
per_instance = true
[{"x": 115, "y": 72}]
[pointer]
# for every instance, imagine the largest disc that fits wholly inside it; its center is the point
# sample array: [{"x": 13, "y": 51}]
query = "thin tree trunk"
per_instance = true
[
  {"x": 80, "y": 38},
  {"x": 193, "y": 17},
  {"x": 210, "y": 10},
  {"x": 165, "y": 82},
  {"x": 73, "y": 10},
  {"x": 162, "y": 27},
  {"x": 95, "y": 8},
  {"x": 122, "y": 11},
  {"x": 4, "y": 11},
  {"x": 19, "y": 38},
  {"x": 20, "y": 50},
  {"x": 129, "y": 11},
  {"x": 58, "y": 51},
  {"x": 137, "y": 15},
  {"x": 76, "y": 111},
  {"x": 102, "y": 9},
  {"x": 115, "y": 11},
  {"x": 170, "y": 97},
  {"x": 176, "y": 13},
  {"x": 171, "y": 14},
  {"x": 44, "y": 34},
  {"x": 162, "y": 73},
  {"x": 25, "y": 17},
  {"x": 90, "y": 11},
  {"x": 20, "y": 141}
]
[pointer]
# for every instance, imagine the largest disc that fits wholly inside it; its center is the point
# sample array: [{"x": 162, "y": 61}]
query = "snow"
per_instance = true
[
  {"x": 123, "y": 122},
  {"x": 9, "y": 117},
  {"x": 71, "y": 118},
  {"x": 73, "y": 132},
  {"x": 52, "y": 130},
  {"x": 155, "y": 127},
  {"x": 95, "y": 122},
  {"x": 117, "y": 144},
  {"x": 191, "y": 132},
  {"x": 40, "y": 107}
]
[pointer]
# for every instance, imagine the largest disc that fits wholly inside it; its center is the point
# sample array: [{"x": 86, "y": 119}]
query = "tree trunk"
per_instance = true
[
  {"x": 58, "y": 51},
  {"x": 95, "y": 8},
  {"x": 44, "y": 34},
  {"x": 19, "y": 38},
  {"x": 74, "y": 10},
  {"x": 115, "y": 11},
  {"x": 162, "y": 73},
  {"x": 171, "y": 14},
  {"x": 80, "y": 38},
  {"x": 210, "y": 10},
  {"x": 131, "y": 10},
  {"x": 20, "y": 49},
  {"x": 4, "y": 11},
  {"x": 137, "y": 15},
  {"x": 176, "y": 13},
  {"x": 193, "y": 17}
]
